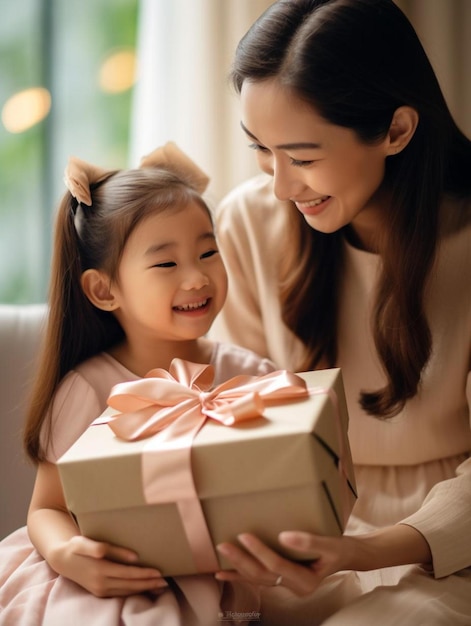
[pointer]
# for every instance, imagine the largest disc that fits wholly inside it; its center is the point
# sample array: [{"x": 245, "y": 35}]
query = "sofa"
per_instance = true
[{"x": 21, "y": 328}]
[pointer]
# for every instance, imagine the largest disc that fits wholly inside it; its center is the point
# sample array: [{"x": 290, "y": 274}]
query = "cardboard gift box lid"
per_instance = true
[{"x": 273, "y": 473}]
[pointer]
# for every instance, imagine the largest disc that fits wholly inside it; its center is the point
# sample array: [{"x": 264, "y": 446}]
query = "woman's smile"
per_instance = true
[{"x": 313, "y": 207}]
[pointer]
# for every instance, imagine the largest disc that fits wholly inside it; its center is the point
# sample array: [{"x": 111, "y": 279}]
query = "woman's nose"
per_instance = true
[{"x": 286, "y": 184}]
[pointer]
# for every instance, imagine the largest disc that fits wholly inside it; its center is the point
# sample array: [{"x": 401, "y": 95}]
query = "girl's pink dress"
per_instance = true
[{"x": 32, "y": 594}]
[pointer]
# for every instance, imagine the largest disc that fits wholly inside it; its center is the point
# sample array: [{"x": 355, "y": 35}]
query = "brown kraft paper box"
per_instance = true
[{"x": 274, "y": 473}]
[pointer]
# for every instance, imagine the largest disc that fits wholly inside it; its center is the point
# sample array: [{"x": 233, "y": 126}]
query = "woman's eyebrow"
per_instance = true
[{"x": 299, "y": 145}]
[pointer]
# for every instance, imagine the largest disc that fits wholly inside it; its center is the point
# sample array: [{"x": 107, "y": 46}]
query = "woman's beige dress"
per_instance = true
[{"x": 414, "y": 468}]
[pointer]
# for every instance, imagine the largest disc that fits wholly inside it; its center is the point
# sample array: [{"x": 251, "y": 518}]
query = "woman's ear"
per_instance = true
[
  {"x": 402, "y": 129},
  {"x": 97, "y": 287}
]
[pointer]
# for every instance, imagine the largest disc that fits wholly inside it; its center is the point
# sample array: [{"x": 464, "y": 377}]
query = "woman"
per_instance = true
[{"x": 363, "y": 262}]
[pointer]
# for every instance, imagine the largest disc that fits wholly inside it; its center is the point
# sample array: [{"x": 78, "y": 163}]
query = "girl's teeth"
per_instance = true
[{"x": 191, "y": 307}]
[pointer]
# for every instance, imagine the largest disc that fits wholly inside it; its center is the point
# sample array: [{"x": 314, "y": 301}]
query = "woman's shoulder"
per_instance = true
[
  {"x": 254, "y": 199},
  {"x": 454, "y": 252},
  {"x": 230, "y": 360},
  {"x": 258, "y": 186},
  {"x": 250, "y": 213},
  {"x": 455, "y": 217}
]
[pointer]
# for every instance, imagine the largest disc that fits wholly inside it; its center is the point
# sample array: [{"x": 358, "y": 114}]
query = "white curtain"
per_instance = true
[
  {"x": 444, "y": 27},
  {"x": 185, "y": 49}
]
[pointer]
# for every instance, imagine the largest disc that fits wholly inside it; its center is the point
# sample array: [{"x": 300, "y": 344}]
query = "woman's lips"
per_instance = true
[{"x": 313, "y": 207}]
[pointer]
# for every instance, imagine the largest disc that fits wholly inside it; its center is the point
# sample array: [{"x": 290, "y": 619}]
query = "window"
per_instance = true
[{"x": 66, "y": 76}]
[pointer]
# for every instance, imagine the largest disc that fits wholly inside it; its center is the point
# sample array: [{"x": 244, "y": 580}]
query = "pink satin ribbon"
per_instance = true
[{"x": 173, "y": 406}]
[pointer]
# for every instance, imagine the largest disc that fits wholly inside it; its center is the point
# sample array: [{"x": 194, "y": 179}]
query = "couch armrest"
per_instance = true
[{"x": 21, "y": 329}]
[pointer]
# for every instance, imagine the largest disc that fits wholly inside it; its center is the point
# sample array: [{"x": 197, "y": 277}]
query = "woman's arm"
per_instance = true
[
  {"x": 91, "y": 564},
  {"x": 394, "y": 545}
]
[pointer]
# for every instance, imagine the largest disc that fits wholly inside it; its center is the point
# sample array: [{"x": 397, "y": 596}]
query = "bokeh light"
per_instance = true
[
  {"x": 118, "y": 71},
  {"x": 25, "y": 109}
]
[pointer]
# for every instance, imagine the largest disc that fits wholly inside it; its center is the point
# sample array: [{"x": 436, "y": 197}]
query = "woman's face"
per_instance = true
[{"x": 326, "y": 170}]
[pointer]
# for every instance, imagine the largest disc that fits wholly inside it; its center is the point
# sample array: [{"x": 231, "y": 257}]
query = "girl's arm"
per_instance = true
[
  {"x": 394, "y": 545},
  {"x": 91, "y": 564}
]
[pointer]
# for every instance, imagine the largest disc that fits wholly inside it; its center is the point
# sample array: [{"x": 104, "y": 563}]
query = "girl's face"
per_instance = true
[
  {"x": 326, "y": 170},
  {"x": 171, "y": 280}
]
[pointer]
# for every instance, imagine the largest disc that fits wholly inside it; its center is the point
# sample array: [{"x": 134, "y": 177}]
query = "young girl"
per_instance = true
[
  {"x": 372, "y": 273},
  {"x": 137, "y": 280}
]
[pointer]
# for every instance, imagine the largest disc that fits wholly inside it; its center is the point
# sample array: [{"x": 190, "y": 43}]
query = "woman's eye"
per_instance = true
[
  {"x": 258, "y": 147},
  {"x": 209, "y": 253},
  {"x": 298, "y": 163}
]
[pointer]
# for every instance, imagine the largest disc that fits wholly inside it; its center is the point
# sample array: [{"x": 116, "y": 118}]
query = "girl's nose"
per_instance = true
[{"x": 195, "y": 279}]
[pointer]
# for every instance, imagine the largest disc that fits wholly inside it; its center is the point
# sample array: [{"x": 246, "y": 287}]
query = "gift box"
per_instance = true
[{"x": 175, "y": 489}]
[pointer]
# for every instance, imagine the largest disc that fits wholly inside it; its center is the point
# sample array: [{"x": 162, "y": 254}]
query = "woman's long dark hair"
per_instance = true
[
  {"x": 91, "y": 237},
  {"x": 355, "y": 62}
]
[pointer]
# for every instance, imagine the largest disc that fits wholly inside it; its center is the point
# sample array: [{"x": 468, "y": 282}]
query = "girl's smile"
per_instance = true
[
  {"x": 194, "y": 308},
  {"x": 171, "y": 282}
]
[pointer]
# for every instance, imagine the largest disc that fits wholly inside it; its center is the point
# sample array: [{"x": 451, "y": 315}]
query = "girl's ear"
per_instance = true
[
  {"x": 97, "y": 287},
  {"x": 402, "y": 129}
]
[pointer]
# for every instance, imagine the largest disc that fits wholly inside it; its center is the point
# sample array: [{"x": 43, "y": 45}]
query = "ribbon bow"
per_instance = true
[
  {"x": 173, "y": 406},
  {"x": 79, "y": 174}
]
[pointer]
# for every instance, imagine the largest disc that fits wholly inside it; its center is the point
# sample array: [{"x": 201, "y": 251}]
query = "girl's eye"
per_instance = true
[
  {"x": 167, "y": 264},
  {"x": 209, "y": 253}
]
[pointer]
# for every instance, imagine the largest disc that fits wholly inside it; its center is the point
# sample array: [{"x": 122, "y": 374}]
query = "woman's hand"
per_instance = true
[
  {"x": 261, "y": 565},
  {"x": 94, "y": 566},
  {"x": 395, "y": 545}
]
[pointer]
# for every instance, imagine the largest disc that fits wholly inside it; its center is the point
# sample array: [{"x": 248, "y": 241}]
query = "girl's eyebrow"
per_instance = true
[
  {"x": 300, "y": 145},
  {"x": 207, "y": 236}
]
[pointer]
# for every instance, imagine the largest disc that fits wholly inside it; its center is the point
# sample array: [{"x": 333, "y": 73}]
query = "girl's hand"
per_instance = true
[
  {"x": 394, "y": 545},
  {"x": 93, "y": 565},
  {"x": 261, "y": 565}
]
